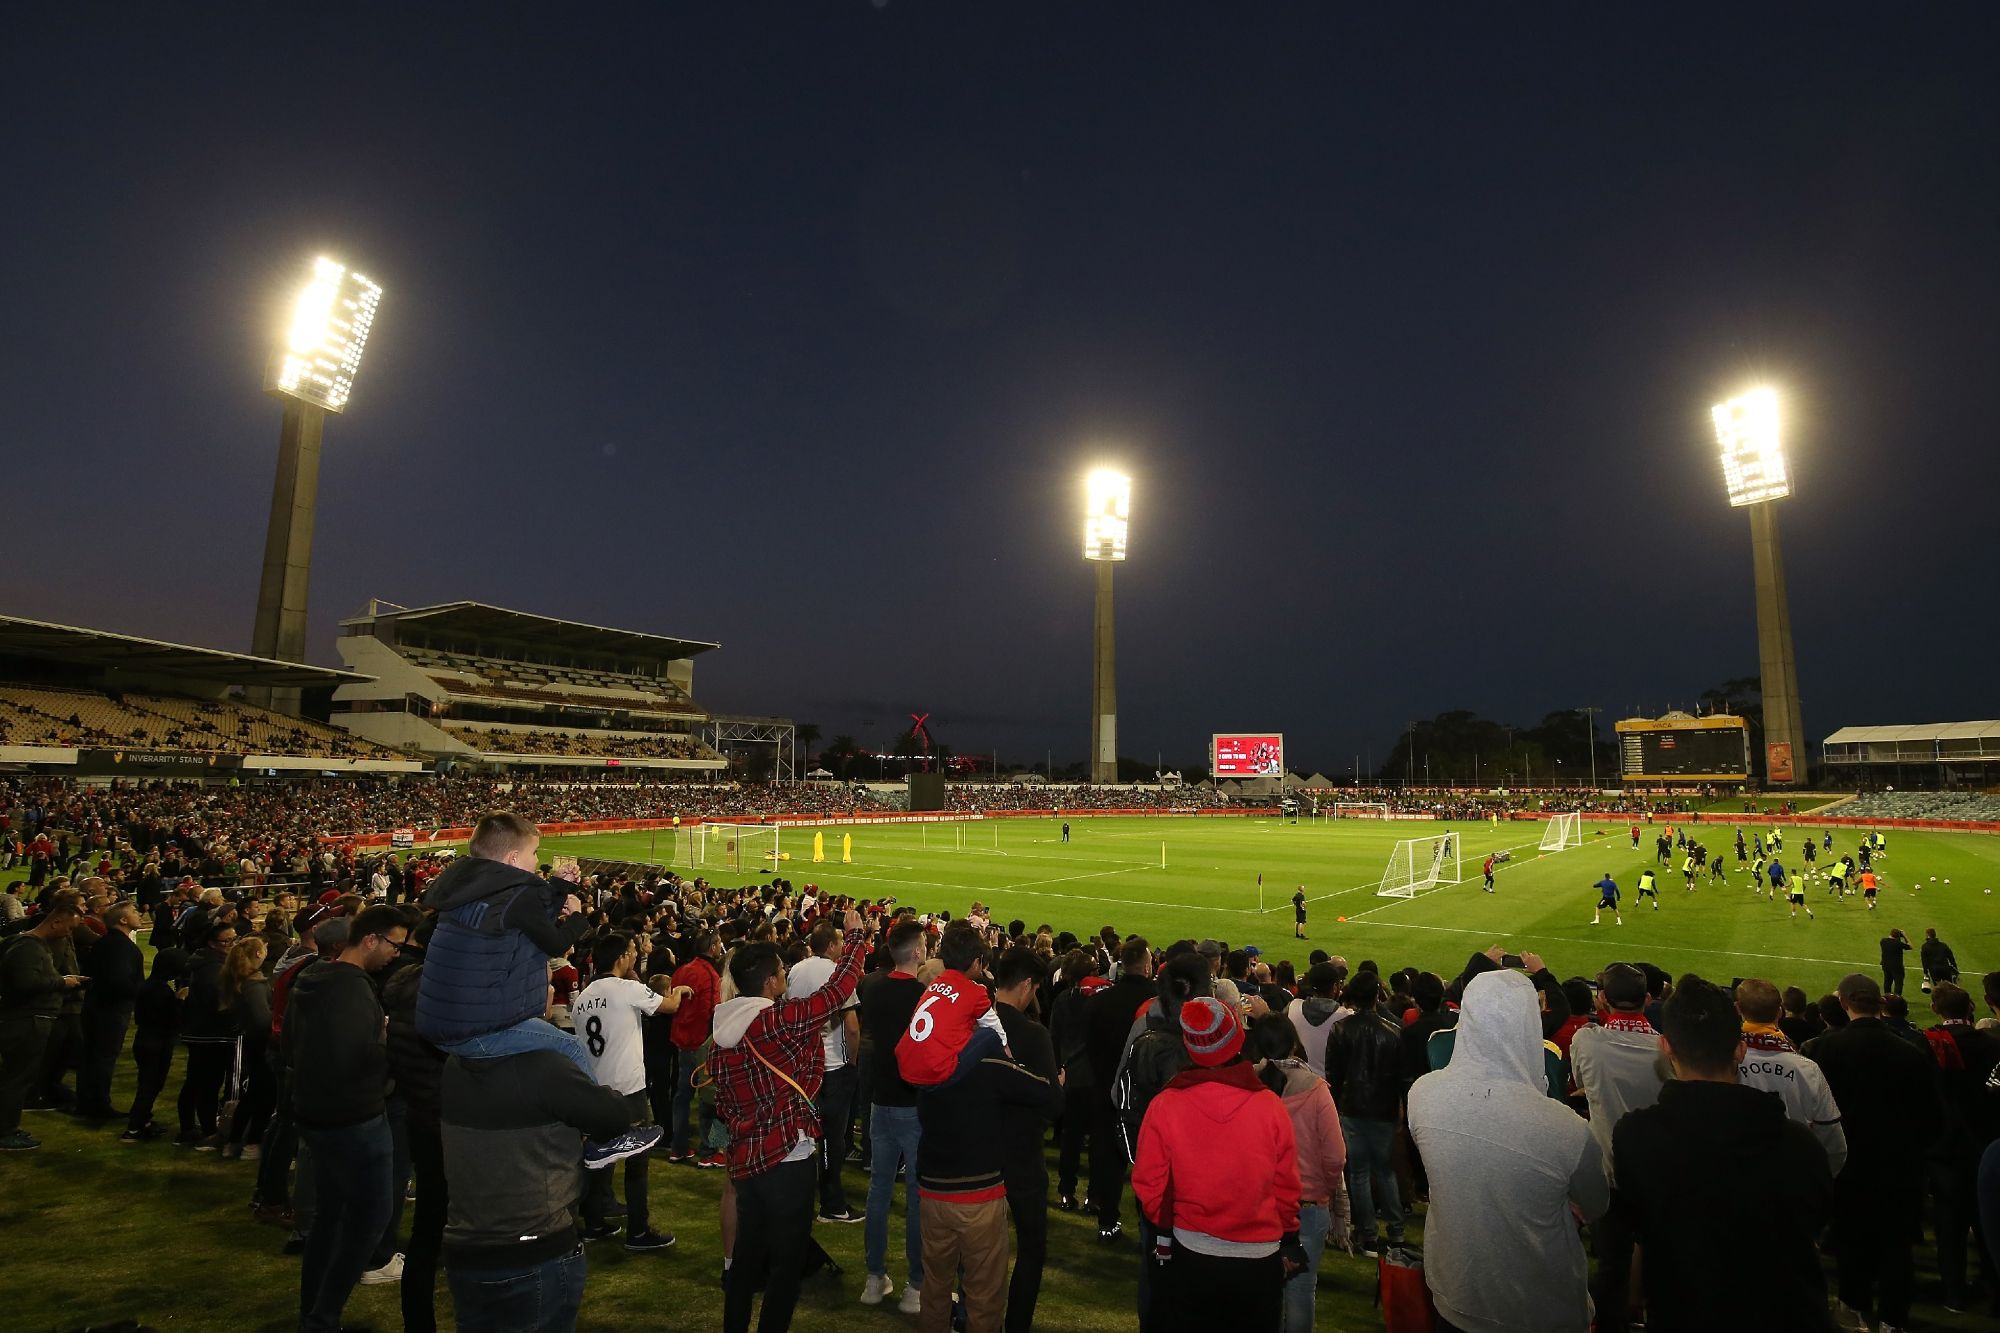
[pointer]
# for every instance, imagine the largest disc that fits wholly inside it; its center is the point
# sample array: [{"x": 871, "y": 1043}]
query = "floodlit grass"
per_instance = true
[{"x": 104, "y": 1232}]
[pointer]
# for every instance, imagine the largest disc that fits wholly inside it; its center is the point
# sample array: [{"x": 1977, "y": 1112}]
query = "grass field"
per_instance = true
[
  {"x": 1111, "y": 873},
  {"x": 101, "y": 1231}
]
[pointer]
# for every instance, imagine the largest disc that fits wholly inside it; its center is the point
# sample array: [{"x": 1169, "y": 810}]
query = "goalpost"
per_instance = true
[
  {"x": 1355, "y": 810},
  {"x": 690, "y": 846},
  {"x": 1419, "y": 865},
  {"x": 1564, "y": 830}
]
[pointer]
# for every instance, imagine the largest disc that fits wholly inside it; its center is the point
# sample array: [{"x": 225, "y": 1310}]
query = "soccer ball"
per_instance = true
[
  {"x": 1986, "y": 890},
  {"x": 1933, "y": 879},
  {"x": 1947, "y": 881}
]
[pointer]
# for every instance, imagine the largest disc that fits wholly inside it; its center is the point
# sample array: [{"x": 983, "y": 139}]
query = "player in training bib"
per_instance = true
[
  {"x": 1649, "y": 887},
  {"x": 1607, "y": 899},
  {"x": 1794, "y": 890}
]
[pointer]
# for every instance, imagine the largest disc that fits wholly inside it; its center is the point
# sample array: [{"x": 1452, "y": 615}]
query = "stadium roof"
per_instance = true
[
  {"x": 42, "y": 641},
  {"x": 1934, "y": 731},
  {"x": 477, "y": 620}
]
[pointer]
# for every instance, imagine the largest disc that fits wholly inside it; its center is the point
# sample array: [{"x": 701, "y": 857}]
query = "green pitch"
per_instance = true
[{"x": 1111, "y": 872}]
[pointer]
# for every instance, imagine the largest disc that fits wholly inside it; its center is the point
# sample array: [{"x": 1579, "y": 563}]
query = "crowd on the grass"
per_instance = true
[
  {"x": 490, "y": 1040},
  {"x": 977, "y": 797}
]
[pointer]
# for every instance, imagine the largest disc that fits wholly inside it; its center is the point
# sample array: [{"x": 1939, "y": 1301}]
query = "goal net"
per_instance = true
[
  {"x": 1354, "y": 810},
  {"x": 690, "y": 846},
  {"x": 1562, "y": 831},
  {"x": 1418, "y": 865},
  {"x": 742, "y": 847}
]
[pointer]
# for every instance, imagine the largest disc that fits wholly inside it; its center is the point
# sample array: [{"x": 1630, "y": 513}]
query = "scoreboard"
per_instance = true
[{"x": 1679, "y": 747}]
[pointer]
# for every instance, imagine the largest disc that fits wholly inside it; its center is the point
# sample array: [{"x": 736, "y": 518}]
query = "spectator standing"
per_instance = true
[
  {"x": 1939, "y": 962},
  {"x": 1316, "y": 1012},
  {"x": 1894, "y": 945},
  {"x": 1714, "y": 1161},
  {"x": 513, "y": 1129},
  {"x": 209, "y": 1029},
  {"x": 65, "y": 1043},
  {"x": 1068, "y": 1032},
  {"x": 1213, "y": 1129},
  {"x": 31, "y": 994},
  {"x": 1108, "y": 1019},
  {"x": 1618, "y": 1068},
  {"x": 1886, "y": 1090},
  {"x": 334, "y": 1046},
  {"x": 767, "y": 1062},
  {"x": 117, "y": 969},
  {"x": 1025, "y": 1166},
  {"x": 842, "y": 1043},
  {"x": 1322, "y": 1157},
  {"x": 1506, "y": 1164},
  {"x": 1364, "y": 1071},
  {"x": 156, "y": 1017},
  {"x": 1970, "y": 1099},
  {"x": 246, "y": 993},
  {"x": 610, "y": 1017},
  {"x": 701, "y": 977},
  {"x": 1770, "y": 1063},
  {"x": 888, "y": 999},
  {"x": 417, "y": 1067}
]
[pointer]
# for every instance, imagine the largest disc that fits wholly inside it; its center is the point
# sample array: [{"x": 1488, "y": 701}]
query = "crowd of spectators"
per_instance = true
[
  {"x": 1673, "y": 1129},
  {"x": 979, "y": 797},
  {"x": 46, "y": 716},
  {"x": 627, "y": 745},
  {"x": 1979, "y": 807}
]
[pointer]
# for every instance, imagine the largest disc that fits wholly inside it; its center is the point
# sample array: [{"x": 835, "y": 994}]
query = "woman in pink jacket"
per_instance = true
[
  {"x": 1209, "y": 1141},
  {"x": 1274, "y": 1047}
]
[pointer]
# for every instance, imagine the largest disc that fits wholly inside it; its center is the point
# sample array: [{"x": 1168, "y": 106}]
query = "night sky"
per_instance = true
[{"x": 795, "y": 326}]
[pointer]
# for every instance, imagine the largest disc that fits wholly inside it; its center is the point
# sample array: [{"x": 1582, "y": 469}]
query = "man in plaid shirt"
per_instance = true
[{"x": 768, "y": 1065}]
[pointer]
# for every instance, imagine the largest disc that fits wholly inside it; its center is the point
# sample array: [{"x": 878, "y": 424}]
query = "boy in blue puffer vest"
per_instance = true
[{"x": 486, "y": 972}]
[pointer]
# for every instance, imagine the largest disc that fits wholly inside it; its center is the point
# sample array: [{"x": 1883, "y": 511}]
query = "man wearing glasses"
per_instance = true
[{"x": 334, "y": 1045}]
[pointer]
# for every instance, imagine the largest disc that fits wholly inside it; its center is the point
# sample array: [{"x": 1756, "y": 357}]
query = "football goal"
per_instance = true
[
  {"x": 1418, "y": 865},
  {"x": 1565, "y": 830},
  {"x": 1354, "y": 810}
]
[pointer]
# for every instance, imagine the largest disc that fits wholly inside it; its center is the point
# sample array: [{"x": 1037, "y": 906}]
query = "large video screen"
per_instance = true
[{"x": 1232, "y": 756}]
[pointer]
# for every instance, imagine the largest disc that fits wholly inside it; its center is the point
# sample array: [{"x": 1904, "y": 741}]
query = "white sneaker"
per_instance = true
[
  {"x": 1847, "y": 1318},
  {"x": 913, "y": 1300},
  {"x": 387, "y": 1273},
  {"x": 877, "y": 1286}
]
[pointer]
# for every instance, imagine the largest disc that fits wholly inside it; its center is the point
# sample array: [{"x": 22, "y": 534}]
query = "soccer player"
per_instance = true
[
  {"x": 1757, "y": 872},
  {"x": 1687, "y": 870},
  {"x": 1648, "y": 888},
  {"x": 1836, "y": 878},
  {"x": 1795, "y": 891},
  {"x": 1811, "y": 850},
  {"x": 1742, "y": 852},
  {"x": 1715, "y": 872},
  {"x": 1607, "y": 899},
  {"x": 1868, "y": 888},
  {"x": 1827, "y": 845},
  {"x": 1299, "y": 913},
  {"x": 1635, "y": 837},
  {"x": 1065, "y": 836},
  {"x": 1489, "y": 873}
]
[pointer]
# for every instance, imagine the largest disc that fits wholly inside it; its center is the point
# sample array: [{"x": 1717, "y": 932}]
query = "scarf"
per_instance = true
[
  {"x": 1623, "y": 1022},
  {"x": 1766, "y": 1037}
]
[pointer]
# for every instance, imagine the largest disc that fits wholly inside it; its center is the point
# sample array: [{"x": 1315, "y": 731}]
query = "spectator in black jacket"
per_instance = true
[
  {"x": 1067, "y": 1032},
  {"x": 417, "y": 1068},
  {"x": 1025, "y": 1165},
  {"x": 513, "y": 1133},
  {"x": 1108, "y": 1017},
  {"x": 1711, "y": 1163},
  {"x": 1894, "y": 945},
  {"x": 31, "y": 991},
  {"x": 334, "y": 1047},
  {"x": 116, "y": 970},
  {"x": 1966, "y": 1059},
  {"x": 1940, "y": 963},
  {"x": 156, "y": 1014},
  {"x": 209, "y": 1029},
  {"x": 1364, "y": 1071},
  {"x": 1887, "y": 1094}
]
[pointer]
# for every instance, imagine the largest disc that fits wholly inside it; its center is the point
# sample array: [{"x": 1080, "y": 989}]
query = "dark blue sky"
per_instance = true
[{"x": 794, "y": 326}]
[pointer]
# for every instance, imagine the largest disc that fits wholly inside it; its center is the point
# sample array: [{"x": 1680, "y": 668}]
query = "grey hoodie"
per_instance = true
[{"x": 1505, "y": 1162}]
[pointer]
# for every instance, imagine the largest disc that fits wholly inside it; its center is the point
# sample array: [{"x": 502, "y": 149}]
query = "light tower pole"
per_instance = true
[
  {"x": 312, "y": 374},
  {"x": 1753, "y": 466},
  {"x": 1106, "y": 516}
]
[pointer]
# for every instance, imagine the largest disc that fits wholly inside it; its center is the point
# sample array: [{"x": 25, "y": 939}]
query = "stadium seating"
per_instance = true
[
  {"x": 596, "y": 744},
  {"x": 47, "y": 715},
  {"x": 1922, "y": 805},
  {"x": 498, "y": 678}
]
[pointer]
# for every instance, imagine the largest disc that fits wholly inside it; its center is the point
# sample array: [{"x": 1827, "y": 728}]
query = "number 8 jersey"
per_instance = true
[{"x": 610, "y": 1019}]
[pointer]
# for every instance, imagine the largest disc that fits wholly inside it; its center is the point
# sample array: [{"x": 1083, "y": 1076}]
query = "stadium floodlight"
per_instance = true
[
  {"x": 1753, "y": 453},
  {"x": 1107, "y": 513},
  {"x": 329, "y": 329}
]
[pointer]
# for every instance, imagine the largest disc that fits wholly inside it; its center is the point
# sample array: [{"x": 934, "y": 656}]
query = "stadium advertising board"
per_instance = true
[{"x": 1231, "y": 755}]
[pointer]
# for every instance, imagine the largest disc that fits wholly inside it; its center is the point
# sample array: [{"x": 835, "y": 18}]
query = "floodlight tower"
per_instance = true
[
  {"x": 311, "y": 374},
  {"x": 1753, "y": 466},
  {"x": 1107, "y": 511}
]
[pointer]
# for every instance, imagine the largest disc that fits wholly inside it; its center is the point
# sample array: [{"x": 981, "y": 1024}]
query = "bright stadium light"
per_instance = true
[
  {"x": 322, "y": 348},
  {"x": 1753, "y": 453},
  {"x": 1107, "y": 512}
]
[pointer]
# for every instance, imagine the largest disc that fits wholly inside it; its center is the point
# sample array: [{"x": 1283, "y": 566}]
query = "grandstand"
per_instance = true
[
  {"x": 469, "y": 682},
  {"x": 1937, "y": 754},
  {"x": 89, "y": 702},
  {"x": 1938, "y": 805}
]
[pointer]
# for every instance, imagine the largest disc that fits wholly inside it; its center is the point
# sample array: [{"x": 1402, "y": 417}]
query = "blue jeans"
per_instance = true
[
  {"x": 1300, "y": 1290},
  {"x": 893, "y": 1131},
  {"x": 687, "y": 1106},
  {"x": 540, "y": 1298},
  {"x": 530, "y": 1034},
  {"x": 352, "y": 1187},
  {"x": 1368, "y": 1144}
]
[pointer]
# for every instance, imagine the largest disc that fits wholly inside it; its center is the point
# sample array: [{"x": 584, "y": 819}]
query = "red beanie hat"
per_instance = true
[{"x": 1210, "y": 1031}]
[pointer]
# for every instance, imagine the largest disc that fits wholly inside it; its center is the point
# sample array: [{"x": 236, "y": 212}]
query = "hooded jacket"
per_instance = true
[
  {"x": 1505, "y": 1163},
  {"x": 1617, "y": 1071},
  {"x": 1218, "y": 1163},
  {"x": 487, "y": 966},
  {"x": 1708, "y": 1166},
  {"x": 1316, "y": 1129},
  {"x": 1314, "y": 1018}
]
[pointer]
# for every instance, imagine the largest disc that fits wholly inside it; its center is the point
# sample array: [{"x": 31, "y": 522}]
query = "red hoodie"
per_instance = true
[
  {"x": 1209, "y": 1140},
  {"x": 691, "y": 1021}
]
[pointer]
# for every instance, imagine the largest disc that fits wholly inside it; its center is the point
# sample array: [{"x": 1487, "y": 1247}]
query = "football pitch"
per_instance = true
[{"x": 1189, "y": 876}]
